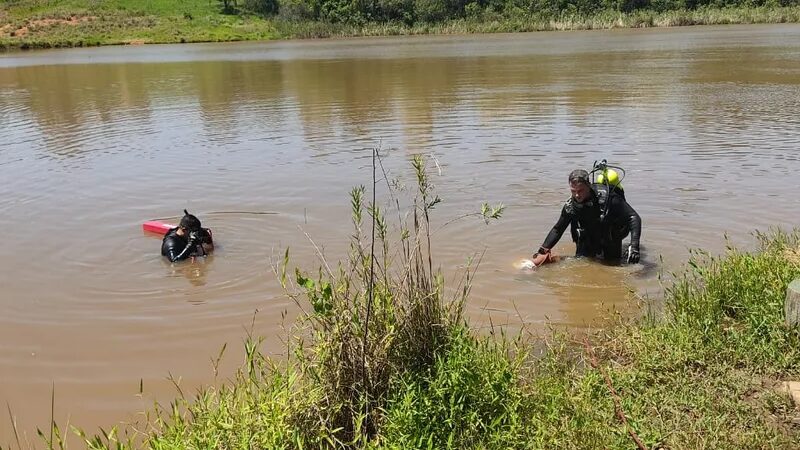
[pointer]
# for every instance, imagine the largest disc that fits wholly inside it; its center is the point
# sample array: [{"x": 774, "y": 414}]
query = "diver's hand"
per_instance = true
[
  {"x": 541, "y": 257},
  {"x": 194, "y": 237},
  {"x": 632, "y": 254}
]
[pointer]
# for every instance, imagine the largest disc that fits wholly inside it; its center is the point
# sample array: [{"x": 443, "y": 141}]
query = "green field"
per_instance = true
[{"x": 33, "y": 24}]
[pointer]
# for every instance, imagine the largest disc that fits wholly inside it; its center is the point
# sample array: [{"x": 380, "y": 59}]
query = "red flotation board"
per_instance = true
[{"x": 154, "y": 226}]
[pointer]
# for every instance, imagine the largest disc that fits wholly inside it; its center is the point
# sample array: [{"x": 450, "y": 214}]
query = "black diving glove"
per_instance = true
[
  {"x": 196, "y": 241},
  {"x": 632, "y": 254}
]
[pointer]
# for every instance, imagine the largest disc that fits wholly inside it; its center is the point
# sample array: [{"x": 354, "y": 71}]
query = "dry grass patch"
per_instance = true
[
  {"x": 33, "y": 26},
  {"x": 792, "y": 255}
]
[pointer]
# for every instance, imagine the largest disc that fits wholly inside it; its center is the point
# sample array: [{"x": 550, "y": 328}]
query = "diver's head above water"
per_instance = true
[
  {"x": 189, "y": 223},
  {"x": 191, "y": 227},
  {"x": 579, "y": 185}
]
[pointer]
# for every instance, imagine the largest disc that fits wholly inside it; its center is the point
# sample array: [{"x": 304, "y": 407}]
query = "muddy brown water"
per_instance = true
[{"x": 95, "y": 141}]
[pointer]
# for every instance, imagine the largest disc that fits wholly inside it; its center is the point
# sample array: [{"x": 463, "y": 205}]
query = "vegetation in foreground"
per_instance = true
[
  {"x": 73, "y": 23},
  {"x": 382, "y": 359}
]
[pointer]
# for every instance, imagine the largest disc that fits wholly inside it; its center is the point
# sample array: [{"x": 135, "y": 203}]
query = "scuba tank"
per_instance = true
[{"x": 606, "y": 181}]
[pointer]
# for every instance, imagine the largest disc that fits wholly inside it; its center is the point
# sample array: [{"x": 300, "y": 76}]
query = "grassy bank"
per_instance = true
[
  {"x": 384, "y": 358},
  {"x": 488, "y": 22},
  {"x": 70, "y": 23}
]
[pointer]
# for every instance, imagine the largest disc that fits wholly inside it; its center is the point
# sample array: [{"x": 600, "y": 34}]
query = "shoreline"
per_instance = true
[{"x": 80, "y": 29}]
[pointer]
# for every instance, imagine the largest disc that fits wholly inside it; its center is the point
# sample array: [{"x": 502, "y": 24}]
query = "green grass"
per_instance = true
[
  {"x": 123, "y": 22},
  {"x": 499, "y": 23},
  {"x": 165, "y": 21}
]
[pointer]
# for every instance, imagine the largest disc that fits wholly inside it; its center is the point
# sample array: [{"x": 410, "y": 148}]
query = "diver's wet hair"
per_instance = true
[
  {"x": 579, "y": 176},
  {"x": 190, "y": 222}
]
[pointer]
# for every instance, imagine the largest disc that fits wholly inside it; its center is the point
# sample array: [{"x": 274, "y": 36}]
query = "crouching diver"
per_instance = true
[
  {"x": 599, "y": 218},
  {"x": 186, "y": 240}
]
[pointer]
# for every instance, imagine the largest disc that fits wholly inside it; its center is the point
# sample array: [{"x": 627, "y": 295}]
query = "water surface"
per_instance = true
[{"x": 95, "y": 141}]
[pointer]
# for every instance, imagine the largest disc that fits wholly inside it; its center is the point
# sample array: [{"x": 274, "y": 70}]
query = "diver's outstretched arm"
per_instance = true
[{"x": 558, "y": 230}]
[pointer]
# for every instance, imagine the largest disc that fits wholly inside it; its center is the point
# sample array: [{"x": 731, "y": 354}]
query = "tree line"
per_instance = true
[{"x": 432, "y": 11}]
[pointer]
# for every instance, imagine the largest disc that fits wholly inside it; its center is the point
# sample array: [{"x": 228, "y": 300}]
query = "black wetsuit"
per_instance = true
[
  {"x": 584, "y": 222},
  {"x": 177, "y": 248},
  {"x": 618, "y": 220},
  {"x": 598, "y": 225}
]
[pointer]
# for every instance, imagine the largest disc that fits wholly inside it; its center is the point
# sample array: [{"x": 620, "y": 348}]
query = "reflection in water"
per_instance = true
[
  {"x": 587, "y": 282},
  {"x": 96, "y": 142},
  {"x": 194, "y": 270},
  {"x": 75, "y": 114}
]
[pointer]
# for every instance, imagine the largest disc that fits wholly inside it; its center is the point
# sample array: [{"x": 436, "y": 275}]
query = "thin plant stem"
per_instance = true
[
  {"x": 14, "y": 425},
  {"x": 371, "y": 288}
]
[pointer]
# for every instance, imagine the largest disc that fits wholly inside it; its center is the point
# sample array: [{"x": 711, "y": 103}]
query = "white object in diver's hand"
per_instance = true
[{"x": 526, "y": 264}]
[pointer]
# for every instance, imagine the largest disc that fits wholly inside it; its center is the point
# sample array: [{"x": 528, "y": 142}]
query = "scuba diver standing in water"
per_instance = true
[
  {"x": 599, "y": 218},
  {"x": 187, "y": 240}
]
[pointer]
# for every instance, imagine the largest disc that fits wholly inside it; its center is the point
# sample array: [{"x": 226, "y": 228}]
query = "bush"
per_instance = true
[
  {"x": 296, "y": 10},
  {"x": 431, "y": 10},
  {"x": 395, "y": 10},
  {"x": 262, "y": 7},
  {"x": 470, "y": 398}
]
